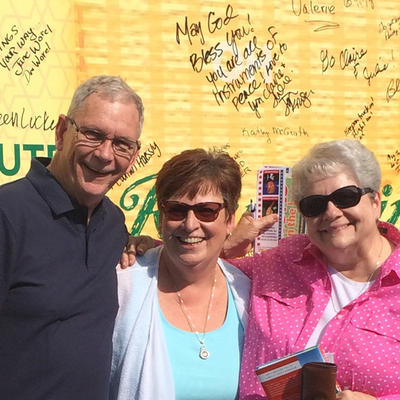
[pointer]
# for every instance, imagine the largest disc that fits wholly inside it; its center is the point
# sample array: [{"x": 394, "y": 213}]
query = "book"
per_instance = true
[{"x": 281, "y": 378}]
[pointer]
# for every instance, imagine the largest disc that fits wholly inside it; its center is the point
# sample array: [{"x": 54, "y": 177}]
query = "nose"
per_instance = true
[
  {"x": 332, "y": 211},
  {"x": 191, "y": 222},
  {"x": 105, "y": 150}
]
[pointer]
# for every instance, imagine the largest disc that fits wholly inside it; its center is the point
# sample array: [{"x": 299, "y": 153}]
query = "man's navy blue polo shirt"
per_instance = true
[{"x": 58, "y": 296}]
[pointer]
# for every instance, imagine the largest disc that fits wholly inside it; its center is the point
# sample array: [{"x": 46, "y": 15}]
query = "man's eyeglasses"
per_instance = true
[
  {"x": 205, "y": 212},
  {"x": 345, "y": 197},
  {"x": 91, "y": 137}
]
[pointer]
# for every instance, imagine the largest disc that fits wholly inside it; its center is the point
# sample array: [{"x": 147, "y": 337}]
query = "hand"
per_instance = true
[
  {"x": 350, "y": 395},
  {"x": 241, "y": 241},
  {"x": 137, "y": 245}
]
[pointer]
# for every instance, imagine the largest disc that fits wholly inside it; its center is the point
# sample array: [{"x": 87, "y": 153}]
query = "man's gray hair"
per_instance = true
[{"x": 109, "y": 87}]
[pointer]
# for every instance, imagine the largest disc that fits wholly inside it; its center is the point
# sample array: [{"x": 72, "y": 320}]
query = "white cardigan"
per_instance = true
[{"x": 140, "y": 366}]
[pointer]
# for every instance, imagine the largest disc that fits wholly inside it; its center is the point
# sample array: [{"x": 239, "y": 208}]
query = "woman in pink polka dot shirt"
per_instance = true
[{"x": 338, "y": 286}]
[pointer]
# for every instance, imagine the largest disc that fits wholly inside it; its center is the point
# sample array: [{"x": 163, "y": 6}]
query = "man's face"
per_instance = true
[{"x": 87, "y": 172}]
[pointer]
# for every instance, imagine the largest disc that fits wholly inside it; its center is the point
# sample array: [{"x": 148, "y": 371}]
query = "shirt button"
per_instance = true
[{"x": 340, "y": 316}]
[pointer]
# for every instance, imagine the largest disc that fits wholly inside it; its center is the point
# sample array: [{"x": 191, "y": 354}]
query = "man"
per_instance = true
[{"x": 60, "y": 239}]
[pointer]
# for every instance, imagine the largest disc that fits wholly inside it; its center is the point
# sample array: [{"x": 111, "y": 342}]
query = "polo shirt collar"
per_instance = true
[{"x": 50, "y": 189}]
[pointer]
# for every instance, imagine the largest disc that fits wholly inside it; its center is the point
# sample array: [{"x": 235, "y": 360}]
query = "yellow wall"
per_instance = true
[{"x": 301, "y": 72}]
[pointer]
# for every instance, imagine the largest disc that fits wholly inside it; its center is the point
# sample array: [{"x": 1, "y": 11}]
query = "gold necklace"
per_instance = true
[{"x": 203, "y": 353}]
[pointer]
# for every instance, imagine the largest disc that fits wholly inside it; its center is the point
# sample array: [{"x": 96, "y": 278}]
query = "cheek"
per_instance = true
[
  {"x": 220, "y": 231},
  {"x": 122, "y": 166},
  {"x": 168, "y": 226},
  {"x": 310, "y": 222},
  {"x": 78, "y": 153},
  {"x": 312, "y": 226}
]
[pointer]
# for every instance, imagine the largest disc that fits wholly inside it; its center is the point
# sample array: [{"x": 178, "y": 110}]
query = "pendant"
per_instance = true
[{"x": 204, "y": 354}]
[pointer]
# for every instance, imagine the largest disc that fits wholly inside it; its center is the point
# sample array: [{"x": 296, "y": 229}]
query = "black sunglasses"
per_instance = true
[
  {"x": 345, "y": 197},
  {"x": 205, "y": 212}
]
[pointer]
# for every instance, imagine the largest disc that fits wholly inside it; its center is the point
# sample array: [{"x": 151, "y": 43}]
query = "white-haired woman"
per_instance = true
[{"x": 338, "y": 286}]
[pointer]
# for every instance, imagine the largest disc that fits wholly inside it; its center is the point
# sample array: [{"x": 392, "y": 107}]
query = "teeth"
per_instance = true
[
  {"x": 96, "y": 171},
  {"x": 191, "y": 240}
]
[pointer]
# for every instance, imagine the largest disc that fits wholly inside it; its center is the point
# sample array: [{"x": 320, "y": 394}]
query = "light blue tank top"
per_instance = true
[{"x": 216, "y": 378}]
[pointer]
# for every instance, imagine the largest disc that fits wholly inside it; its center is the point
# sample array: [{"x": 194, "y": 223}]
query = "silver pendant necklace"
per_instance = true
[{"x": 203, "y": 353}]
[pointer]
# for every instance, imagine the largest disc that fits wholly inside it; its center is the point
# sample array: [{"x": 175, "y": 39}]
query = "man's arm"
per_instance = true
[
  {"x": 7, "y": 254},
  {"x": 136, "y": 246},
  {"x": 238, "y": 244}
]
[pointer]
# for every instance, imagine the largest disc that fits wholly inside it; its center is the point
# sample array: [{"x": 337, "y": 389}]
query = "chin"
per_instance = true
[
  {"x": 190, "y": 259},
  {"x": 333, "y": 241},
  {"x": 341, "y": 244},
  {"x": 97, "y": 187},
  {"x": 95, "y": 192}
]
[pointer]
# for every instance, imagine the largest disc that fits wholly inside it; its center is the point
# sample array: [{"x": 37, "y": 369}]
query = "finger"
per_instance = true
[
  {"x": 268, "y": 220},
  {"x": 247, "y": 214},
  {"x": 124, "y": 261},
  {"x": 132, "y": 257}
]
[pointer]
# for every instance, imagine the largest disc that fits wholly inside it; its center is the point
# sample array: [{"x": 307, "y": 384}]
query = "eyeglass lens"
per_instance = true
[
  {"x": 205, "y": 212},
  {"x": 96, "y": 138},
  {"x": 345, "y": 197}
]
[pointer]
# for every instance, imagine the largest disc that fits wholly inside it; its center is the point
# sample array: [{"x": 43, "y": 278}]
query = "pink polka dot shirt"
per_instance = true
[{"x": 290, "y": 290}]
